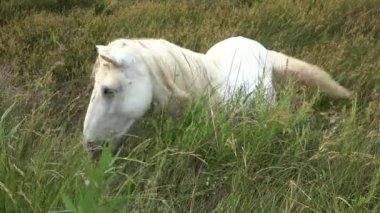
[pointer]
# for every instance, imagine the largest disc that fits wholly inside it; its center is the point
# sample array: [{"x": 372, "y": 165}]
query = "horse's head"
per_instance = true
[{"x": 122, "y": 93}]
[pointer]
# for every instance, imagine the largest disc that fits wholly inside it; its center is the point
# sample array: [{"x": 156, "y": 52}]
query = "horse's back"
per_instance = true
[{"x": 243, "y": 64}]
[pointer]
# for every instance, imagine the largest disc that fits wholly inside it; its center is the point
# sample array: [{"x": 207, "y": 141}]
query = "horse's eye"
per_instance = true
[{"x": 108, "y": 91}]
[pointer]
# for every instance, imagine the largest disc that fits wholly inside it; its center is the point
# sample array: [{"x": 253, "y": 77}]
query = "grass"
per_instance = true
[{"x": 307, "y": 153}]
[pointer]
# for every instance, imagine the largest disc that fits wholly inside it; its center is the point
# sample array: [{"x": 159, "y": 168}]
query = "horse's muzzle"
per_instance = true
[{"x": 94, "y": 150}]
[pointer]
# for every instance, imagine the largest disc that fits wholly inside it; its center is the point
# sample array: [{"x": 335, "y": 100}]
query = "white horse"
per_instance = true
[{"x": 131, "y": 75}]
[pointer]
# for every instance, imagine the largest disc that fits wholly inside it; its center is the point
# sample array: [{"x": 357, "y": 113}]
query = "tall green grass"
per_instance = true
[{"x": 307, "y": 153}]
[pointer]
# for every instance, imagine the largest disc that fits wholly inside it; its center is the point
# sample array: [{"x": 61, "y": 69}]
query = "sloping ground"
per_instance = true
[{"x": 309, "y": 152}]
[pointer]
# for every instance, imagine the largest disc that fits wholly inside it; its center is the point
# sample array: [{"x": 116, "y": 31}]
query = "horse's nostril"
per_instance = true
[
  {"x": 95, "y": 150},
  {"x": 96, "y": 154}
]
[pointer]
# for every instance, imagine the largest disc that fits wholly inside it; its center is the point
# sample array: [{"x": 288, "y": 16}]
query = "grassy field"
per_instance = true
[{"x": 309, "y": 153}]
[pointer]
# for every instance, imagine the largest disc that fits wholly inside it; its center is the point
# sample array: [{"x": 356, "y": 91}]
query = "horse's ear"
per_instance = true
[
  {"x": 116, "y": 58},
  {"x": 103, "y": 53},
  {"x": 110, "y": 60},
  {"x": 101, "y": 49}
]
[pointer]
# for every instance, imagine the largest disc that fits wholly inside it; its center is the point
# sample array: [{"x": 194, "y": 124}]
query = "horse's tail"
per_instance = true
[{"x": 308, "y": 74}]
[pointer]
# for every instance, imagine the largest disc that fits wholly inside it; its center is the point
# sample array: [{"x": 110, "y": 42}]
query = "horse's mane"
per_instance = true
[{"x": 178, "y": 73}]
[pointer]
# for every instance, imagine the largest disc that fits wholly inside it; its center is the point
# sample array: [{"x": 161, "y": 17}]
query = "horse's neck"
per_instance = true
[
  {"x": 180, "y": 75},
  {"x": 199, "y": 67}
]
